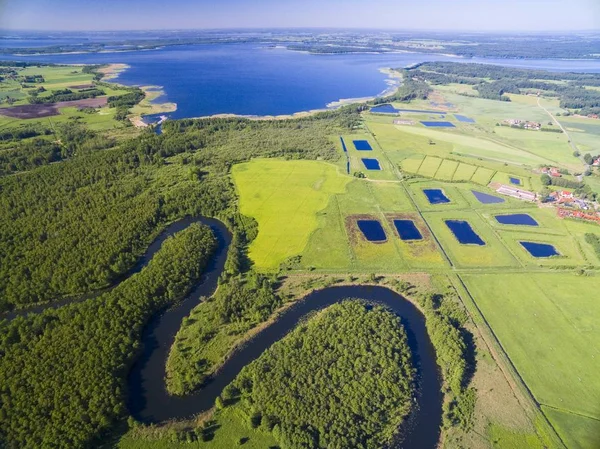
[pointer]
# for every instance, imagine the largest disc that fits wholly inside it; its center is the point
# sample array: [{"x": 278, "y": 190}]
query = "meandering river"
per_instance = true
[{"x": 149, "y": 401}]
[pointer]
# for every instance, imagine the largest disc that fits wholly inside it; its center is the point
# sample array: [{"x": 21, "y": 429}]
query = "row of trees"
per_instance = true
[
  {"x": 445, "y": 321},
  {"x": 64, "y": 95},
  {"x": 63, "y": 371},
  {"x": 343, "y": 379}
]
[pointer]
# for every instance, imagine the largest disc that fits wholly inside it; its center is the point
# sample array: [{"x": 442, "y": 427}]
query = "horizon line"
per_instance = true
[{"x": 255, "y": 28}]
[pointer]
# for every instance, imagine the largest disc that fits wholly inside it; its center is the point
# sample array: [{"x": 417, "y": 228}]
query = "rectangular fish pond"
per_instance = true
[
  {"x": 515, "y": 181},
  {"x": 372, "y": 230},
  {"x": 517, "y": 219},
  {"x": 464, "y": 233},
  {"x": 436, "y": 196},
  {"x": 362, "y": 145},
  {"x": 486, "y": 198},
  {"x": 407, "y": 230},
  {"x": 463, "y": 118},
  {"x": 540, "y": 249},
  {"x": 371, "y": 164},
  {"x": 438, "y": 124},
  {"x": 385, "y": 109}
]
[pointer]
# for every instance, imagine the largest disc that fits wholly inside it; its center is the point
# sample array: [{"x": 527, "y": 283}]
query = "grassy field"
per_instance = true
[
  {"x": 547, "y": 323},
  {"x": 492, "y": 254},
  {"x": 284, "y": 197},
  {"x": 478, "y": 147},
  {"x": 230, "y": 428},
  {"x": 59, "y": 77}
]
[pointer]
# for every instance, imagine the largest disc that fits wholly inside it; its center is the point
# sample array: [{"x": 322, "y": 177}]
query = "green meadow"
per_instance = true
[
  {"x": 542, "y": 310},
  {"x": 547, "y": 323},
  {"x": 284, "y": 198}
]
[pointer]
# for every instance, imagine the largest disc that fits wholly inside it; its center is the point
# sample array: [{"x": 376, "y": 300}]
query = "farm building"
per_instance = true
[
  {"x": 552, "y": 171},
  {"x": 516, "y": 193}
]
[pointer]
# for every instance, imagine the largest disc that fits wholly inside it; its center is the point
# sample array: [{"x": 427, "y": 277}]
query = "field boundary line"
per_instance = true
[
  {"x": 570, "y": 412},
  {"x": 439, "y": 245},
  {"x": 498, "y": 352}
]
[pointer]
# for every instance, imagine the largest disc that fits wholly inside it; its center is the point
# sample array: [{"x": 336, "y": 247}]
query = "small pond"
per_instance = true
[
  {"x": 436, "y": 196},
  {"x": 486, "y": 198},
  {"x": 464, "y": 232},
  {"x": 385, "y": 109},
  {"x": 463, "y": 118},
  {"x": 362, "y": 145},
  {"x": 515, "y": 181},
  {"x": 438, "y": 124},
  {"x": 540, "y": 249},
  {"x": 371, "y": 164},
  {"x": 372, "y": 230},
  {"x": 517, "y": 219},
  {"x": 407, "y": 230}
]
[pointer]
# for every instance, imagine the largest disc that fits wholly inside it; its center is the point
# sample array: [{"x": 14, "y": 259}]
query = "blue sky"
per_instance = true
[{"x": 490, "y": 15}]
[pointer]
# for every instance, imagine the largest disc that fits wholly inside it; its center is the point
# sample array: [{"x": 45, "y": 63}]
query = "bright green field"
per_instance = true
[
  {"x": 446, "y": 170},
  {"x": 548, "y": 324},
  {"x": 284, "y": 198}
]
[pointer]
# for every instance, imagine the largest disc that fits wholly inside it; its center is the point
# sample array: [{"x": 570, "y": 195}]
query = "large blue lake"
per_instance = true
[{"x": 254, "y": 79}]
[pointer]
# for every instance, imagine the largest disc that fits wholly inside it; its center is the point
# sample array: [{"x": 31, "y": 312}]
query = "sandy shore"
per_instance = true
[{"x": 112, "y": 71}]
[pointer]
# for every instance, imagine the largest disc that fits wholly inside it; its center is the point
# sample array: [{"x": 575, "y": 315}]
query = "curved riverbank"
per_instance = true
[{"x": 150, "y": 402}]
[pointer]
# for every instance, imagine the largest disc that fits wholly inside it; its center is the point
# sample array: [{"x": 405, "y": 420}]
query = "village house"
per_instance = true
[
  {"x": 518, "y": 123},
  {"x": 551, "y": 171}
]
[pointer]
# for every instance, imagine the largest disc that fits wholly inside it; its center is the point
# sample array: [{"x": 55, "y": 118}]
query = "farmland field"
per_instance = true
[
  {"x": 547, "y": 323},
  {"x": 284, "y": 197}
]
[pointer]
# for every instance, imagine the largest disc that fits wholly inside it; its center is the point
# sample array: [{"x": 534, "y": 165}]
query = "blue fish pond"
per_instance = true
[
  {"x": 438, "y": 124},
  {"x": 464, "y": 233},
  {"x": 372, "y": 230},
  {"x": 371, "y": 164},
  {"x": 463, "y": 118},
  {"x": 436, "y": 196},
  {"x": 486, "y": 198},
  {"x": 385, "y": 109},
  {"x": 517, "y": 219},
  {"x": 540, "y": 249},
  {"x": 407, "y": 230},
  {"x": 362, "y": 145},
  {"x": 515, "y": 181}
]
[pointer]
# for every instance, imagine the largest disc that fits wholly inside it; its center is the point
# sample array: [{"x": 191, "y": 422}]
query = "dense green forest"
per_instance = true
[
  {"x": 63, "y": 371},
  {"x": 208, "y": 334},
  {"x": 113, "y": 202},
  {"x": 350, "y": 386},
  {"x": 30, "y": 147},
  {"x": 493, "y": 82}
]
